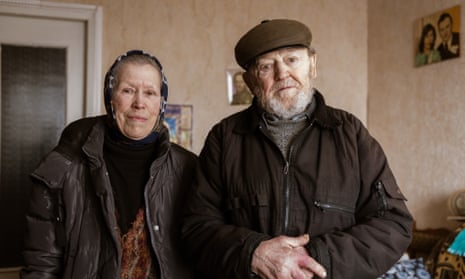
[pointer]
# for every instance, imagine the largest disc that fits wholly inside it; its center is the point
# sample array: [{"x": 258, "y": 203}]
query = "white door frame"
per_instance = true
[{"x": 92, "y": 16}]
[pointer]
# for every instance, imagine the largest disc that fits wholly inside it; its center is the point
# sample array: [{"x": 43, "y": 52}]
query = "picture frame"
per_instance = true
[
  {"x": 437, "y": 37},
  {"x": 179, "y": 121},
  {"x": 238, "y": 93}
]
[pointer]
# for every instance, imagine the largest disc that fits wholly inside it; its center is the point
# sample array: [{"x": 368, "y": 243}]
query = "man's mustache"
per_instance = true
[{"x": 284, "y": 84}]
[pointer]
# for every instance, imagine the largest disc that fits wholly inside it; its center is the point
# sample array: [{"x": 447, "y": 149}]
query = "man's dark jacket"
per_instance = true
[
  {"x": 336, "y": 186},
  {"x": 72, "y": 228}
]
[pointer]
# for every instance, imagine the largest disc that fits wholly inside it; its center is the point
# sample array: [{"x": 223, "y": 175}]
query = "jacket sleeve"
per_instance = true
[
  {"x": 219, "y": 250},
  {"x": 383, "y": 228},
  {"x": 44, "y": 238}
]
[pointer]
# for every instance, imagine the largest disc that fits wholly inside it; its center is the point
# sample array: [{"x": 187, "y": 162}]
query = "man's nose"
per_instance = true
[{"x": 281, "y": 70}]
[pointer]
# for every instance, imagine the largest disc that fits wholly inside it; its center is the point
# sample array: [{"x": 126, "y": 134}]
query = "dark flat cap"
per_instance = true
[{"x": 271, "y": 35}]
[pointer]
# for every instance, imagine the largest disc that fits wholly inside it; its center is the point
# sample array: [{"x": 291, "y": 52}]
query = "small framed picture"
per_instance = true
[
  {"x": 178, "y": 119},
  {"x": 238, "y": 92},
  {"x": 437, "y": 37}
]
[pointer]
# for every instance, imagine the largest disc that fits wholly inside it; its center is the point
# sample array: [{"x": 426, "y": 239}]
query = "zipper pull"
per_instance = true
[
  {"x": 286, "y": 168},
  {"x": 317, "y": 204}
]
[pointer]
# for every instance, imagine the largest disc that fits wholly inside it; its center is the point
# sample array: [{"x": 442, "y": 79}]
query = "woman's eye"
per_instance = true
[
  {"x": 127, "y": 90},
  {"x": 152, "y": 93}
]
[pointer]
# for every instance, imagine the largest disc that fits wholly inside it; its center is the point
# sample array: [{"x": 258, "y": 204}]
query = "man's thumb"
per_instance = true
[{"x": 299, "y": 240}]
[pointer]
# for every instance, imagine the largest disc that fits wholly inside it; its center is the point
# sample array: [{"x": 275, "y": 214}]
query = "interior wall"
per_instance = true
[
  {"x": 364, "y": 47},
  {"x": 417, "y": 113},
  {"x": 195, "y": 40}
]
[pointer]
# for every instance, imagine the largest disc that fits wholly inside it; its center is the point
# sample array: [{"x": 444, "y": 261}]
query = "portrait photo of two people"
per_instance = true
[{"x": 437, "y": 37}]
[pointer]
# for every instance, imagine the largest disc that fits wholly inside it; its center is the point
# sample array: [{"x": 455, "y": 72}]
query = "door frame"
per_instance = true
[{"x": 91, "y": 15}]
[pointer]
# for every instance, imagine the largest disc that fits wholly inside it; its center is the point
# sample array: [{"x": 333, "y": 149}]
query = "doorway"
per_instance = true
[{"x": 50, "y": 76}]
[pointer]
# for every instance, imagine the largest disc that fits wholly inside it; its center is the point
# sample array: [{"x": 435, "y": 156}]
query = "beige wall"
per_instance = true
[
  {"x": 416, "y": 113},
  {"x": 195, "y": 39},
  {"x": 365, "y": 65}
]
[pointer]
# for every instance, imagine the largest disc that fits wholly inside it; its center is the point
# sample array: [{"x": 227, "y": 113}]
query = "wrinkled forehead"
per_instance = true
[
  {"x": 130, "y": 62},
  {"x": 286, "y": 51}
]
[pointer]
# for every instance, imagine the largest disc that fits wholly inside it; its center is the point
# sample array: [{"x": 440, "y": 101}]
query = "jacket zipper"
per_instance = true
[
  {"x": 152, "y": 229},
  {"x": 286, "y": 191},
  {"x": 286, "y": 177},
  {"x": 287, "y": 180},
  {"x": 333, "y": 207},
  {"x": 381, "y": 198},
  {"x": 286, "y": 196}
]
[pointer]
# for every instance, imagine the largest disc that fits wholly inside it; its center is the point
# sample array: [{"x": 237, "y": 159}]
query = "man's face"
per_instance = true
[
  {"x": 136, "y": 100},
  {"x": 282, "y": 81},
  {"x": 445, "y": 29}
]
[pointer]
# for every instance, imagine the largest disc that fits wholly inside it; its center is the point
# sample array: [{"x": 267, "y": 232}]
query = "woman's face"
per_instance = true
[
  {"x": 429, "y": 40},
  {"x": 136, "y": 100}
]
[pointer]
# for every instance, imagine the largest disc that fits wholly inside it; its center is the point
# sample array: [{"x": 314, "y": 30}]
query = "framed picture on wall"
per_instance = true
[
  {"x": 437, "y": 37},
  {"x": 238, "y": 92},
  {"x": 178, "y": 119}
]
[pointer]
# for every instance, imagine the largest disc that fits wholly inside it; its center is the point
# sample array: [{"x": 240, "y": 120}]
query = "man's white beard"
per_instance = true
[{"x": 297, "y": 104}]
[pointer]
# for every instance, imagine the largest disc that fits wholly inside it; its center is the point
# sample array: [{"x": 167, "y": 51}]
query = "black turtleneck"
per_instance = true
[{"x": 129, "y": 169}]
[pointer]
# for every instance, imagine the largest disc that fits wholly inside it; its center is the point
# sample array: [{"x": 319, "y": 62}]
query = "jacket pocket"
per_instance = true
[
  {"x": 388, "y": 196},
  {"x": 328, "y": 206},
  {"x": 250, "y": 211},
  {"x": 331, "y": 213}
]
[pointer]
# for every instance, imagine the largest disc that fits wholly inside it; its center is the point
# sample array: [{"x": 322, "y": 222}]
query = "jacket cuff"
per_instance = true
[
  {"x": 253, "y": 243},
  {"x": 319, "y": 251}
]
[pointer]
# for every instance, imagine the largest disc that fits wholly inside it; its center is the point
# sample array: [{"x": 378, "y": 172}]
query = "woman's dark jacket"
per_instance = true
[
  {"x": 72, "y": 228},
  {"x": 336, "y": 186}
]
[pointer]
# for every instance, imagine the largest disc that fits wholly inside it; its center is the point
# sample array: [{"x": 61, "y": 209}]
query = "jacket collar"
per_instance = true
[
  {"x": 252, "y": 117},
  {"x": 93, "y": 144},
  {"x": 324, "y": 115},
  {"x": 85, "y": 137}
]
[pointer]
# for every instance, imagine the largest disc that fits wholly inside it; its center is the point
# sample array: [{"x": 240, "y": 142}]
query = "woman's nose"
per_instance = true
[{"x": 138, "y": 99}]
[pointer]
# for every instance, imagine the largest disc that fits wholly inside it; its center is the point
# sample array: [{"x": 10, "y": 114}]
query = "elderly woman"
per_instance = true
[{"x": 105, "y": 202}]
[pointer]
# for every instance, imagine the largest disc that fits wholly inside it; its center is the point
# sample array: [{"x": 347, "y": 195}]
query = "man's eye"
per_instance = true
[
  {"x": 292, "y": 60},
  {"x": 265, "y": 67}
]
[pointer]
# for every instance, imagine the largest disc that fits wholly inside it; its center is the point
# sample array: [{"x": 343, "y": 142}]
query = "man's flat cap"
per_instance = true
[{"x": 270, "y": 35}]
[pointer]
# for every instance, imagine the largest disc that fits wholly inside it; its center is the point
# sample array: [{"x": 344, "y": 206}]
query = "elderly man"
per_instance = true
[{"x": 291, "y": 187}]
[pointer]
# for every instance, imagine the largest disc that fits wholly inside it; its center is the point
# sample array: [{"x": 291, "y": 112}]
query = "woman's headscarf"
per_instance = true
[
  {"x": 109, "y": 77},
  {"x": 108, "y": 93}
]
